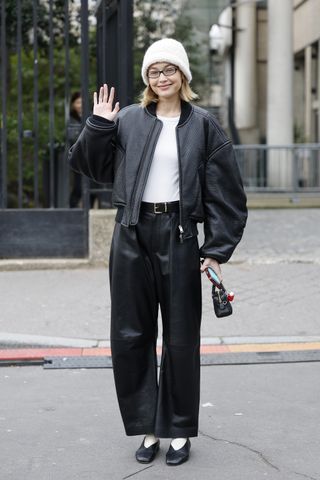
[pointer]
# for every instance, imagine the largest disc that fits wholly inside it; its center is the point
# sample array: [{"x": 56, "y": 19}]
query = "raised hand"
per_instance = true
[{"x": 103, "y": 106}]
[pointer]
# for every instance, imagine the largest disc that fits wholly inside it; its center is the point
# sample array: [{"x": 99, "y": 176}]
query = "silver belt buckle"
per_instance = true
[{"x": 156, "y": 206}]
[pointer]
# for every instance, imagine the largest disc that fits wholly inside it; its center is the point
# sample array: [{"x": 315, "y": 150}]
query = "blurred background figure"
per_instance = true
[
  {"x": 98, "y": 199},
  {"x": 73, "y": 131}
]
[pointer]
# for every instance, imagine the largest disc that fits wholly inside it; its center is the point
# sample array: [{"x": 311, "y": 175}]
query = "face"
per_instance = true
[
  {"x": 77, "y": 106},
  {"x": 166, "y": 87}
]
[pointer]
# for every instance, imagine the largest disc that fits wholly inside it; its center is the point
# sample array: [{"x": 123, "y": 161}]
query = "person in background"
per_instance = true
[
  {"x": 172, "y": 166},
  {"x": 73, "y": 132}
]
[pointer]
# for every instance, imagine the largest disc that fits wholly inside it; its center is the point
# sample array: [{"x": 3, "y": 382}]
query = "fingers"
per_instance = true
[
  {"x": 105, "y": 93},
  {"x": 211, "y": 262},
  {"x": 205, "y": 264},
  {"x": 111, "y": 97},
  {"x": 101, "y": 91},
  {"x": 103, "y": 101},
  {"x": 106, "y": 97}
]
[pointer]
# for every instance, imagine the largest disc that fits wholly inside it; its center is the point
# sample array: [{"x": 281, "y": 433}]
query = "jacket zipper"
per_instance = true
[
  {"x": 181, "y": 231},
  {"x": 147, "y": 169}
]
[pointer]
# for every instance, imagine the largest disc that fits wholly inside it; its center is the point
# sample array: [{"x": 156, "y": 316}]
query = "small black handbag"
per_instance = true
[
  {"x": 222, "y": 306},
  {"x": 220, "y": 297}
]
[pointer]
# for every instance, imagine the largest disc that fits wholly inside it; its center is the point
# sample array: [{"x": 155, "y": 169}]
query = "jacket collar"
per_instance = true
[{"x": 186, "y": 109}]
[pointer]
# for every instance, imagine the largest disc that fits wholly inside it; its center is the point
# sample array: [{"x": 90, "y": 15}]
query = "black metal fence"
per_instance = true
[
  {"x": 36, "y": 82},
  {"x": 49, "y": 51},
  {"x": 115, "y": 47},
  {"x": 280, "y": 168}
]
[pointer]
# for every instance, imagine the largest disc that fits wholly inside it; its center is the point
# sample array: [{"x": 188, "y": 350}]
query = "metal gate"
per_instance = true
[{"x": 49, "y": 51}]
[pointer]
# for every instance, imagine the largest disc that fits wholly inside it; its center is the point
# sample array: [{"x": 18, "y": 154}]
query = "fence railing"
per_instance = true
[
  {"x": 280, "y": 168},
  {"x": 50, "y": 51}
]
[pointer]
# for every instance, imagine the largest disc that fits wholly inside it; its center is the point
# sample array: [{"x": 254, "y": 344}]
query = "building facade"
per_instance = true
[
  {"x": 306, "y": 48},
  {"x": 271, "y": 70}
]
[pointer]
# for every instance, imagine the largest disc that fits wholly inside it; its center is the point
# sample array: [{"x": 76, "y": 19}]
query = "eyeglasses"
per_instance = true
[{"x": 167, "y": 71}]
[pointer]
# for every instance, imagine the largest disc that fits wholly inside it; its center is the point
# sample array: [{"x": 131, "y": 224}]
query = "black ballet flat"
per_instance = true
[
  {"x": 176, "y": 457},
  {"x": 147, "y": 455}
]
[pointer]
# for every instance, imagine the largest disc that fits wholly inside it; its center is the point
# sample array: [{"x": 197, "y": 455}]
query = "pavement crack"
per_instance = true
[
  {"x": 305, "y": 475},
  {"x": 256, "y": 452},
  {"x": 136, "y": 473}
]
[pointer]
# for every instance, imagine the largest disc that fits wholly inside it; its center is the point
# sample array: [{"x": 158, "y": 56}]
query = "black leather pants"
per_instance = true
[{"x": 148, "y": 267}]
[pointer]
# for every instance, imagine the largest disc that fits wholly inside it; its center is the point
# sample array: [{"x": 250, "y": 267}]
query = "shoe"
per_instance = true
[
  {"x": 176, "y": 457},
  {"x": 147, "y": 455}
]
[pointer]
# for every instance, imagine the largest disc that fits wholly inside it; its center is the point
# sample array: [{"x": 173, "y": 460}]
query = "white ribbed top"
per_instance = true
[{"x": 163, "y": 180}]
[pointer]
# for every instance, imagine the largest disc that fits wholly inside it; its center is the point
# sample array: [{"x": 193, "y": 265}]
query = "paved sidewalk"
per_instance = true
[
  {"x": 256, "y": 421},
  {"x": 274, "y": 273},
  {"x": 76, "y": 304}
]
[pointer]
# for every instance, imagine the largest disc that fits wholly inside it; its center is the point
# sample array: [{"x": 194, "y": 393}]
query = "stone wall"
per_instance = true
[{"x": 101, "y": 223}]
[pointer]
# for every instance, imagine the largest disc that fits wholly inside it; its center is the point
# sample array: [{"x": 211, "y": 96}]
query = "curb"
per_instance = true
[
  {"x": 42, "y": 341},
  {"x": 44, "y": 264},
  {"x": 40, "y": 354},
  {"x": 289, "y": 200},
  {"x": 15, "y": 341},
  {"x": 85, "y": 263}
]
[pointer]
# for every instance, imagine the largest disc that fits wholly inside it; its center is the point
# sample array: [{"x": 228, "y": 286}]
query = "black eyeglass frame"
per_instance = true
[{"x": 163, "y": 71}]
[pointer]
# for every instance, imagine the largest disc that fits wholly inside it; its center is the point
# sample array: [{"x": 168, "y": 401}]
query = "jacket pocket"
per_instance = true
[
  {"x": 197, "y": 212},
  {"x": 119, "y": 189},
  {"x": 191, "y": 229}
]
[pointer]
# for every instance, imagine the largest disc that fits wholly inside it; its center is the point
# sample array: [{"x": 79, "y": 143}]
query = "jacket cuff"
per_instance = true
[
  {"x": 100, "y": 122},
  {"x": 215, "y": 256}
]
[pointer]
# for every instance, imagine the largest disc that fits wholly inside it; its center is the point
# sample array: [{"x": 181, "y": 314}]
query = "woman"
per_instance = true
[
  {"x": 74, "y": 129},
  {"x": 171, "y": 166}
]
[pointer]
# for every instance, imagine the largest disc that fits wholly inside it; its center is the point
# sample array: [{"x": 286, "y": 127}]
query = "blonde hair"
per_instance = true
[{"x": 186, "y": 93}]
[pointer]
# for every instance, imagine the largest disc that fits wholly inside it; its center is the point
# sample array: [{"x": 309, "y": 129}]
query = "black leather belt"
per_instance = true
[{"x": 164, "y": 207}]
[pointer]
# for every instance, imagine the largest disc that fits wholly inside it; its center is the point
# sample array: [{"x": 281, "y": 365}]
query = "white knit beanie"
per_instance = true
[{"x": 166, "y": 50}]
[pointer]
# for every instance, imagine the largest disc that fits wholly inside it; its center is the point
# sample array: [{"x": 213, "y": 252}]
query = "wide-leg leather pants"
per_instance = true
[{"x": 150, "y": 267}]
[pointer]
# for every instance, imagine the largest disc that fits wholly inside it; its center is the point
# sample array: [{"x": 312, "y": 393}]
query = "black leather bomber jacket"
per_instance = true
[{"x": 211, "y": 189}]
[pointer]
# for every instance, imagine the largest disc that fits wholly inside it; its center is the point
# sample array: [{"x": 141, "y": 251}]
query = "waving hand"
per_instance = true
[{"x": 103, "y": 105}]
